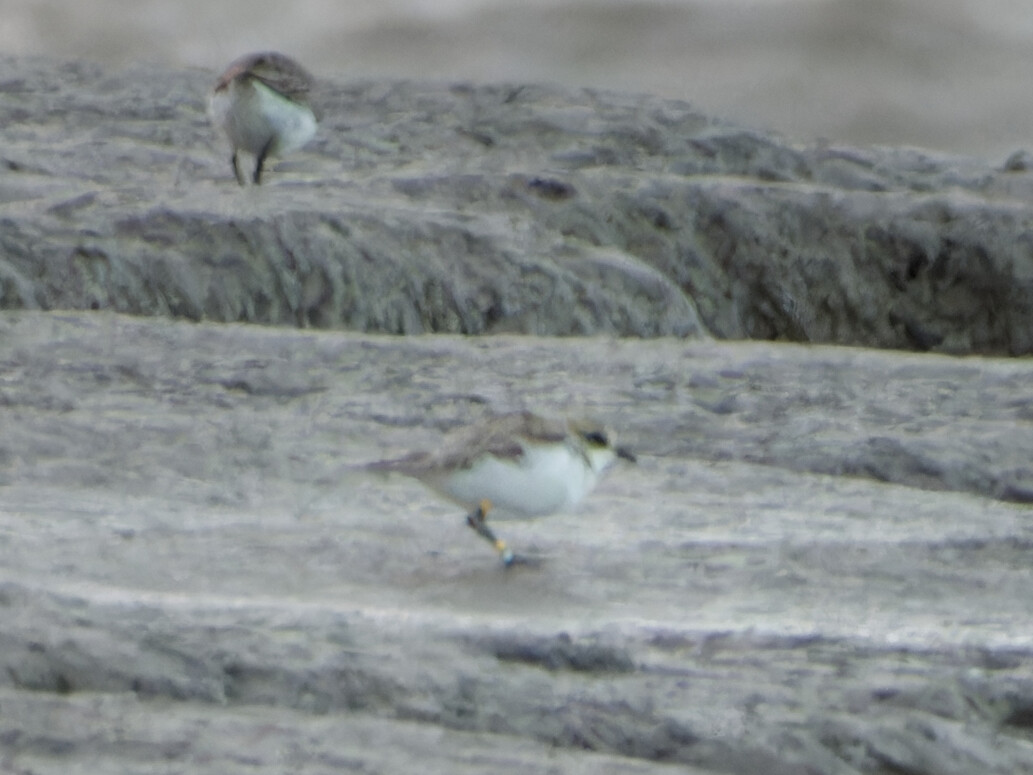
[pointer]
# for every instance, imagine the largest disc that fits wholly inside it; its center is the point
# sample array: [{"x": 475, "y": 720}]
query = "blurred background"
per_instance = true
[{"x": 951, "y": 75}]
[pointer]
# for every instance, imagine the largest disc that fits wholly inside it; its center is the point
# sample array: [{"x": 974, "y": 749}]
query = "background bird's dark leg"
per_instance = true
[
  {"x": 236, "y": 167},
  {"x": 476, "y": 520},
  {"x": 260, "y": 160}
]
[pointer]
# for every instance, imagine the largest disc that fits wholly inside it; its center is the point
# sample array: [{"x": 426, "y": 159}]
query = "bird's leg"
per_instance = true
[
  {"x": 476, "y": 520},
  {"x": 260, "y": 160},
  {"x": 234, "y": 162}
]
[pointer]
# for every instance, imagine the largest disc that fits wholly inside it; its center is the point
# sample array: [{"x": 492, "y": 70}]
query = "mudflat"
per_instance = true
[
  {"x": 819, "y": 564},
  {"x": 820, "y": 561}
]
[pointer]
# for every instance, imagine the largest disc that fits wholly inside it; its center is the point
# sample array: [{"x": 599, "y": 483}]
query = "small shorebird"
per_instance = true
[
  {"x": 519, "y": 464},
  {"x": 261, "y": 104}
]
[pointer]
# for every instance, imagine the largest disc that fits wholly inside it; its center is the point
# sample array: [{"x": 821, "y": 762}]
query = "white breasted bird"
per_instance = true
[
  {"x": 519, "y": 464},
  {"x": 261, "y": 103}
]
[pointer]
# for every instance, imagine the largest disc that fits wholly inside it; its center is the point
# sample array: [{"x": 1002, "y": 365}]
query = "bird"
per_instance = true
[
  {"x": 519, "y": 464},
  {"x": 261, "y": 104}
]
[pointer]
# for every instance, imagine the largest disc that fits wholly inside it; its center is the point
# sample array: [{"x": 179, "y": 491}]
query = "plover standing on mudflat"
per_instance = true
[
  {"x": 261, "y": 104},
  {"x": 520, "y": 464}
]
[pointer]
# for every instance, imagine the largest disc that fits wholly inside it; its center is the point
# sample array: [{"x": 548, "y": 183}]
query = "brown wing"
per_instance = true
[
  {"x": 276, "y": 70},
  {"x": 503, "y": 436},
  {"x": 500, "y": 436}
]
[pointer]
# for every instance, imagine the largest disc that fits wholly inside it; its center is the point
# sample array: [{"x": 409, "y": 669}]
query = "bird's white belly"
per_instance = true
[
  {"x": 256, "y": 116},
  {"x": 543, "y": 481}
]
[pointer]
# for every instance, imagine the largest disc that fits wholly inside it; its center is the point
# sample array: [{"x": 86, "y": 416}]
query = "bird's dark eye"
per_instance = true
[{"x": 598, "y": 438}]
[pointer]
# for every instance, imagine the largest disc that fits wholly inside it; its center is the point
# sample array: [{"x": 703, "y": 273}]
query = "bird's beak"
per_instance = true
[{"x": 626, "y": 453}]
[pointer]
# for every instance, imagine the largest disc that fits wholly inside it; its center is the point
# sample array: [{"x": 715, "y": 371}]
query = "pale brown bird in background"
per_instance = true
[{"x": 261, "y": 103}]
